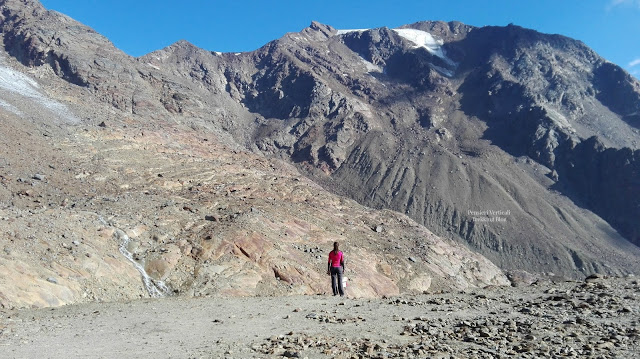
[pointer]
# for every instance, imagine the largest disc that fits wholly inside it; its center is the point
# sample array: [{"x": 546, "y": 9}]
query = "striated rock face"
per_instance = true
[
  {"x": 199, "y": 218},
  {"x": 97, "y": 199},
  {"x": 473, "y": 132},
  {"x": 520, "y": 146}
]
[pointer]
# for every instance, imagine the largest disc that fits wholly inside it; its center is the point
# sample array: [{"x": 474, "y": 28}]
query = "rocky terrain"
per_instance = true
[
  {"x": 597, "y": 318},
  {"x": 98, "y": 203},
  {"x": 479, "y": 151},
  {"x": 196, "y": 215},
  {"x": 182, "y": 204},
  {"x": 519, "y": 145}
]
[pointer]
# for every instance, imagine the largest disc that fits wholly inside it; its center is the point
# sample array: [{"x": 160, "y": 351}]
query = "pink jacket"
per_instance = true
[{"x": 335, "y": 258}]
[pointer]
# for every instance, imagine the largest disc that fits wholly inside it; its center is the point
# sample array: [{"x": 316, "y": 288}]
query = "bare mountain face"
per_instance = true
[
  {"x": 520, "y": 146},
  {"x": 119, "y": 179},
  {"x": 455, "y": 126},
  {"x": 459, "y": 127}
]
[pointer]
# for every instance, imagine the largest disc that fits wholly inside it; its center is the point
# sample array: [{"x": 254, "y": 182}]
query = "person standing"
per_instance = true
[{"x": 335, "y": 268}]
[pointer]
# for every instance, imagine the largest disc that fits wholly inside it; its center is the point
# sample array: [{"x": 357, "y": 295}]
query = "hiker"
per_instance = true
[{"x": 335, "y": 268}]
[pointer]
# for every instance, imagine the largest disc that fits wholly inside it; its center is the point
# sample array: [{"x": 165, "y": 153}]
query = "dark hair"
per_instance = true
[{"x": 335, "y": 247}]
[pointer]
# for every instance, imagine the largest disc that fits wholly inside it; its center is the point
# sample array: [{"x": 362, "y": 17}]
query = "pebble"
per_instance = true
[{"x": 291, "y": 354}]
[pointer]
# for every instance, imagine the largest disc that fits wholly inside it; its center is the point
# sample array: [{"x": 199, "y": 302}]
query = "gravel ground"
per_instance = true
[{"x": 597, "y": 318}]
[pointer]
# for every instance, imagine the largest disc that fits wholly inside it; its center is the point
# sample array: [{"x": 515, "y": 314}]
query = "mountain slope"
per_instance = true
[
  {"x": 500, "y": 123},
  {"x": 520, "y": 145},
  {"x": 102, "y": 200}
]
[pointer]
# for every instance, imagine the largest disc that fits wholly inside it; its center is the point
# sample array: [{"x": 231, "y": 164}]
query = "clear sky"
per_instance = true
[{"x": 610, "y": 27}]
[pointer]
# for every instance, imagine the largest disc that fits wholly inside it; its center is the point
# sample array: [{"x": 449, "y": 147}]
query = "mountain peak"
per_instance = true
[
  {"x": 316, "y": 29},
  {"x": 183, "y": 44}
]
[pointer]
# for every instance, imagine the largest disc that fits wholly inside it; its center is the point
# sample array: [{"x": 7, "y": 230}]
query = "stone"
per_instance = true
[
  {"x": 594, "y": 277},
  {"x": 291, "y": 354}
]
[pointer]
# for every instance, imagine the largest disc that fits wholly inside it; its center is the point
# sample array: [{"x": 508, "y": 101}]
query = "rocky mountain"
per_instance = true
[
  {"x": 120, "y": 180},
  {"x": 451, "y": 124},
  {"x": 187, "y": 165}
]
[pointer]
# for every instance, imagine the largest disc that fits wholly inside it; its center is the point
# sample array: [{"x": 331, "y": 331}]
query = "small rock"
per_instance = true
[
  {"x": 412, "y": 259},
  {"x": 291, "y": 354},
  {"x": 52, "y": 280},
  {"x": 38, "y": 177},
  {"x": 593, "y": 277},
  {"x": 378, "y": 229},
  {"x": 102, "y": 124}
]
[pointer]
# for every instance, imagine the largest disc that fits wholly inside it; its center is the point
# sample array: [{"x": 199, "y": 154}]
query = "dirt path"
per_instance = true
[{"x": 565, "y": 319}]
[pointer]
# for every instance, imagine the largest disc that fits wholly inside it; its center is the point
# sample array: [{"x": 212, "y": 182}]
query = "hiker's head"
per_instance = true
[{"x": 335, "y": 246}]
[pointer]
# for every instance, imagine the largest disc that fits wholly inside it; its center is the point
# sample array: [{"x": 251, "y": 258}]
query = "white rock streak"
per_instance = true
[{"x": 156, "y": 288}]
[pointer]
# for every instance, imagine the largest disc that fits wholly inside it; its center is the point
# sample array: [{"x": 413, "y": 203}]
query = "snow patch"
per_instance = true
[
  {"x": 15, "y": 82},
  {"x": 342, "y": 32},
  {"x": 371, "y": 67},
  {"x": 425, "y": 40},
  {"x": 10, "y": 107},
  {"x": 442, "y": 70}
]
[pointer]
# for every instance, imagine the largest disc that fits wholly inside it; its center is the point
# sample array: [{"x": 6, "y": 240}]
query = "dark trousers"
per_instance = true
[{"x": 336, "y": 280}]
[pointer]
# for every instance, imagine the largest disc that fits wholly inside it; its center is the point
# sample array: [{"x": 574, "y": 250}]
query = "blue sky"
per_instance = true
[{"x": 610, "y": 27}]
